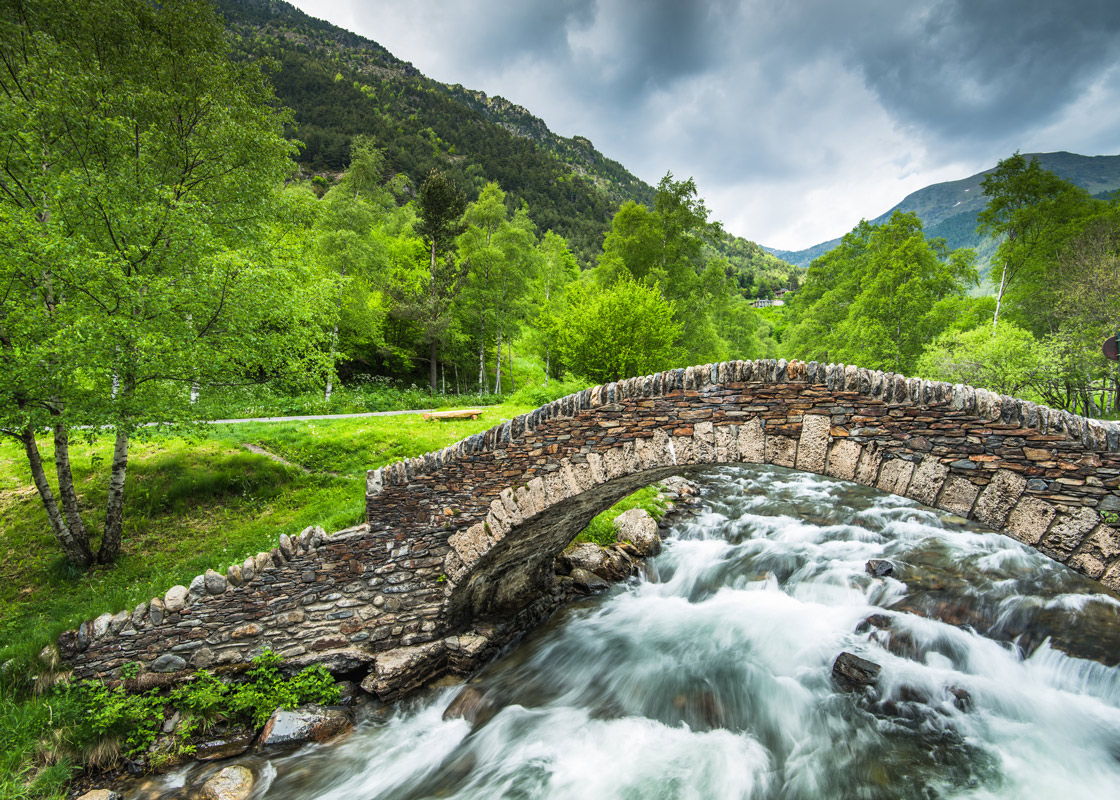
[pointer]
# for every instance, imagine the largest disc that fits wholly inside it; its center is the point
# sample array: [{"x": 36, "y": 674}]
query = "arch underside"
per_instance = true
[{"x": 514, "y": 571}]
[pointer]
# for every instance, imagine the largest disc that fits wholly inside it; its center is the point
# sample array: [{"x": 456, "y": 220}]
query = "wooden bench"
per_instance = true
[{"x": 462, "y": 413}]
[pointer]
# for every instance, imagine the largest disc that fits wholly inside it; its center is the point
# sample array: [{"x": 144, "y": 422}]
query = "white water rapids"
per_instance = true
[{"x": 711, "y": 679}]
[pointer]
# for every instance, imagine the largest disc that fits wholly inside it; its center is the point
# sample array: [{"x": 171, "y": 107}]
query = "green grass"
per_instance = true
[
  {"x": 601, "y": 529},
  {"x": 193, "y": 504}
]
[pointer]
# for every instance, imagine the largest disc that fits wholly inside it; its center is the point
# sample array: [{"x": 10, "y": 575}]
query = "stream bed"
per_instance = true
[{"x": 711, "y": 676}]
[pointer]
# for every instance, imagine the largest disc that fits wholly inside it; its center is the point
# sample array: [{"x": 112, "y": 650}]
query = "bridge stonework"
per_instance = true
[{"x": 456, "y": 554}]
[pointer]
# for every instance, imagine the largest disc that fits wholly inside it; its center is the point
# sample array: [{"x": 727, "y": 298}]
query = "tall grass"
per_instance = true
[{"x": 372, "y": 394}]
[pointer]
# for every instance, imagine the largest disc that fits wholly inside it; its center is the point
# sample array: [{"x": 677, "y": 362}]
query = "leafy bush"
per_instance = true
[
  {"x": 100, "y": 725},
  {"x": 539, "y": 394}
]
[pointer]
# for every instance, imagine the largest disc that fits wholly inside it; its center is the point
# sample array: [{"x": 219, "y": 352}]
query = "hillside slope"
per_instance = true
[{"x": 339, "y": 84}]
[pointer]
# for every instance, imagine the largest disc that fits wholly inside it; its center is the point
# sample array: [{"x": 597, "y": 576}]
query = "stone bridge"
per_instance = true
[{"x": 456, "y": 555}]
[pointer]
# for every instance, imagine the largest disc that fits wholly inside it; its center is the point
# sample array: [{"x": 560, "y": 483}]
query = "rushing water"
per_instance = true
[{"x": 711, "y": 677}]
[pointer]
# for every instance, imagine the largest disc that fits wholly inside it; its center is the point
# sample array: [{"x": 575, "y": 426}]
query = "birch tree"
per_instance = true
[{"x": 138, "y": 169}]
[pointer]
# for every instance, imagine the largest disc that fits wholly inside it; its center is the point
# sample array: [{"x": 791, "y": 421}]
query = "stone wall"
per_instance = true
[{"x": 457, "y": 551}]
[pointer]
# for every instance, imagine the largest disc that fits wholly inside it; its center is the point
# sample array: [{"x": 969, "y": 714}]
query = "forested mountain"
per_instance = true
[
  {"x": 339, "y": 85},
  {"x": 949, "y": 209}
]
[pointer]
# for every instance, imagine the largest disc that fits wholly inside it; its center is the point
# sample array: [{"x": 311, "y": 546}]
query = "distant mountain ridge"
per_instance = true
[{"x": 949, "y": 209}]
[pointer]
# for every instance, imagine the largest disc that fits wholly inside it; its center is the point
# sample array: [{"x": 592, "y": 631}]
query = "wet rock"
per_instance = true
[
  {"x": 702, "y": 710},
  {"x": 309, "y": 723},
  {"x": 901, "y": 644},
  {"x": 100, "y": 794},
  {"x": 232, "y": 783},
  {"x": 852, "y": 673},
  {"x": 347, "y": 693},
  {"x": 637, "y": 527},
  {"x": 880, "y": 621},
  {"x": 608, "y": 564},
  {"x": 961, "y": 698},
  {"x": 224, "y": 744},
  {"x": 588, "y": 582},
  {"x": 473, "y": 704},
  {"x": 879, "y": 568}
]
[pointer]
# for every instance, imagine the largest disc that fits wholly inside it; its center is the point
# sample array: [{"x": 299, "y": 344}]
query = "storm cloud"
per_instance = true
[{"x": 797, "y": 119}]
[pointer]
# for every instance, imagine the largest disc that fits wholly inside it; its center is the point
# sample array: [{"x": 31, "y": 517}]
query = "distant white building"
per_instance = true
[{"x": 778, "y": 299}]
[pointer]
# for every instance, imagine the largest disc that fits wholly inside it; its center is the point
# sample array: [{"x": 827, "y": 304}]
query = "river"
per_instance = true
[{"x": 710, "y": 677}]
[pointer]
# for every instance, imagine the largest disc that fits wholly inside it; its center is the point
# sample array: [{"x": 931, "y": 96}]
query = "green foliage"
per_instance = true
[
  {"x": 135, "y": 251},
  {"x": 619, "y": 332},
  {"x": 672, "y": 247},
  {"x": 102, "y": 724},
  {"x": 602, "y": 531},
  {"x": 873, "y": 300},
  {"x": 538, "y": 394},
  {"x": 264, "y": 689},
  {"x": 1032, "y": 212},
  {"x": 1006, "y": 360}
]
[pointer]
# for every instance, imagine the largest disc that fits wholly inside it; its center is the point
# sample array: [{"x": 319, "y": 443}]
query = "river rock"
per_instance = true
[
  {"x": 224, "y": 744},
  {"x": 879, "y": 568},
  {"x": 852, "y": 673},
  {"x": 609, "y": 564},
  {"x": 232, "y": 783},
  {"x": 347, "y": 693},
  {"x": 403, "y": 669},
  {"x": 879, "y": 621},
  {"x": 640, "y": 529},
  {"x": 588, "y": 582},
  {"x": 308, "y": 723},
  {"x": 474, "y": 705},
  {"x": 100, "y": 794}
]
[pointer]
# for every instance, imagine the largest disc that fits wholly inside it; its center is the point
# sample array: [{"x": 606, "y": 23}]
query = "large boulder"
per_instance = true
[
  {"x": 232, "y": 783},
  {"x": 640, "y": 529},
  {"x": 609, "y": 564},
  {"x": 588, "y": 582},
  {"x": 309, "y": 723}
]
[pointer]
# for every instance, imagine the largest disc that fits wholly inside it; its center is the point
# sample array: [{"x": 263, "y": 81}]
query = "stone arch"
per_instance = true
[
  {"x": 524, "y": 487},
  {"x": 455, "y": 553}
]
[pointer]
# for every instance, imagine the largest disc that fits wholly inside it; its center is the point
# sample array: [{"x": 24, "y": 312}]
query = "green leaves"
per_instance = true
[
  {"x": 869, "y": 301},
  {"x": 619, "y": 332}
]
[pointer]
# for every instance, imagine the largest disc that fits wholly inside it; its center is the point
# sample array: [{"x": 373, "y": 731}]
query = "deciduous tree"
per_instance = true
[{"x": 138, "y": 169}]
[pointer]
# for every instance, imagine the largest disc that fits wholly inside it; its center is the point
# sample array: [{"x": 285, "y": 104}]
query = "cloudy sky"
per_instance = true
[{"x": 797, "y": 118}]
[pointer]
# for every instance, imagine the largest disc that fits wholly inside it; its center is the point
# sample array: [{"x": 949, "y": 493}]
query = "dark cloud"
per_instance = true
[
  {"x": 796, "y": 118},
  {"x": 974, "y": 69}
]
